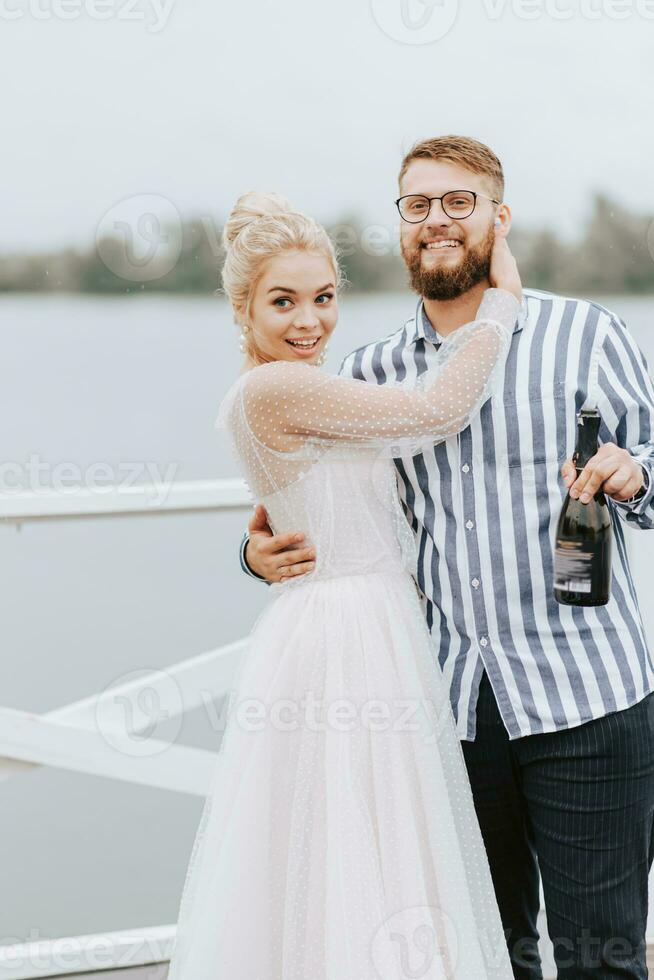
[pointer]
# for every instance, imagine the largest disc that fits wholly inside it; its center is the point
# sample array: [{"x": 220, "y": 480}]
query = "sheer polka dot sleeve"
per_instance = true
[{"x": 286, "y": 403}]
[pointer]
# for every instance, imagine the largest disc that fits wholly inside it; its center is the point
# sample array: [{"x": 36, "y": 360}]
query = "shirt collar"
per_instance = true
[{"x": 420, "y": 327}]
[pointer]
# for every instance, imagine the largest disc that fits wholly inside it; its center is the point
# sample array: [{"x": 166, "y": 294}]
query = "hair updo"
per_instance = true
[{"x": 260, "y": 227}]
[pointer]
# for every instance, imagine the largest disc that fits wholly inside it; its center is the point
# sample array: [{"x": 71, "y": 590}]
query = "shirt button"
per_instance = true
[
  {"x": 484, "y": 641},
  {"x": 465, "y": 468},
  {"x": 475, "y": 583},
  {"x": 470, "y": 525}
]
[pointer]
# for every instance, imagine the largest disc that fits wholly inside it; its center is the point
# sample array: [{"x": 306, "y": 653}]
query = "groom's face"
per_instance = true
[{"x": 444, "y": 271}]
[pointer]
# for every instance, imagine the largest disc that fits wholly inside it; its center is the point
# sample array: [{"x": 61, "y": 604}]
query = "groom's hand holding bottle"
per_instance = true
[
  {"x": 612, "y": 470},
  {"x": 277, "y": 557}
]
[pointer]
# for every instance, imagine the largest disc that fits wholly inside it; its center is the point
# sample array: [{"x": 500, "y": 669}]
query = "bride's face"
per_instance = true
[{"x": 294, "y": 308}]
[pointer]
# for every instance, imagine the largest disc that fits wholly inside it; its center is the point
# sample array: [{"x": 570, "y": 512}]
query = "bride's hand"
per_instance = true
[{"x": 504, "y": 272}]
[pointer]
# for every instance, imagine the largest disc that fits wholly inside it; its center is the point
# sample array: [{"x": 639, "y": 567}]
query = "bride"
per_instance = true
[{"x": 339, "y": 839}]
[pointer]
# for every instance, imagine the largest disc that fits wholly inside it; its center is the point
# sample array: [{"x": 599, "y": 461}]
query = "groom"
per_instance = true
[{"x": 552, "y": 703}]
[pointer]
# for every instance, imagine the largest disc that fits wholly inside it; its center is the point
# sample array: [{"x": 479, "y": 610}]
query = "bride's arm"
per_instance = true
[{"x": 297, "y": 399}]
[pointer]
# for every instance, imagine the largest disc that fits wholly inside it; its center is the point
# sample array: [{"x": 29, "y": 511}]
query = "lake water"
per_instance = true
[{"x": 113, "y": 381}]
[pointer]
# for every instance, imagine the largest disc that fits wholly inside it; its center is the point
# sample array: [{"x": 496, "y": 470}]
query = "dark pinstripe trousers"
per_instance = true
[{"x": 576, "y": 806}]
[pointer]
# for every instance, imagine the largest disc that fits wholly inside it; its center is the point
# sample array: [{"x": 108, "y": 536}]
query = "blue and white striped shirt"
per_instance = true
[{"x": 484, "y": 506}]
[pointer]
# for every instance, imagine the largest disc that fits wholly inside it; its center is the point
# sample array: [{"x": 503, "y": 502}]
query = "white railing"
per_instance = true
[
  {"x": 127, "y": 950},
  {"x": 151, "y": 498},
  {"x": 83, "y": 736},
  {"x": 102, "y": 734}
]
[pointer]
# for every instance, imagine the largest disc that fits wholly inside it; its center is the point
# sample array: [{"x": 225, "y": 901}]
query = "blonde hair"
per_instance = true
[
  {"x": 261, "y": 226},
  {"x": 468, "y": 153}
]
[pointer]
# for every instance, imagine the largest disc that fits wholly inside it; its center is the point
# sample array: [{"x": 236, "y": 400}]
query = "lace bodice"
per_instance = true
[{"x": 317, "y": 449}]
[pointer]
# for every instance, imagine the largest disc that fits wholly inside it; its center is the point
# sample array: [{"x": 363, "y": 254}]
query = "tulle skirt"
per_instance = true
[{"x": 339, "y": 839}]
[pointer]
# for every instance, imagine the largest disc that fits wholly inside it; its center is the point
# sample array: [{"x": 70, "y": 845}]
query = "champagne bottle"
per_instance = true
[{"x": 582, "y": 557}]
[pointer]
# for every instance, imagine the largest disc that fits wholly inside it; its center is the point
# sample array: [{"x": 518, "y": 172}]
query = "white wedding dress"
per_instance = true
[{"x": 339, "y": 839}]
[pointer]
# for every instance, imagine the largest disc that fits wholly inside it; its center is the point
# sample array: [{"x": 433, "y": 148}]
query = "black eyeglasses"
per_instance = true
[{"x": 456, "y": 204}]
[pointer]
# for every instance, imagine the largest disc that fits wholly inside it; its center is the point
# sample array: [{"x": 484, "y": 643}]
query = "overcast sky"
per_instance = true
[{"x": 198, "y": 101}]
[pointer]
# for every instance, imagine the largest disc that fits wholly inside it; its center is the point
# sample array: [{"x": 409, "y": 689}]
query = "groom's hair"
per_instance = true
[{"x": 464, "y": 151}]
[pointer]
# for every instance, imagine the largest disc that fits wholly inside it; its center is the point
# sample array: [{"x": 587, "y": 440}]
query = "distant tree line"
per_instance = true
[{"x": 615, "y": 254}]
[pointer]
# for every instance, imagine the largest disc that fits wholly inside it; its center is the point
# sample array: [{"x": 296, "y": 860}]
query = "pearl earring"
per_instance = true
[
  {"x": 243, "y": 339},
  {"x": 321, "y": 360}
]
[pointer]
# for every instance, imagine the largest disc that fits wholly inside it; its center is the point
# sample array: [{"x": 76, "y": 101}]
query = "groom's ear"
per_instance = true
[{"x": 503, "y": 219}]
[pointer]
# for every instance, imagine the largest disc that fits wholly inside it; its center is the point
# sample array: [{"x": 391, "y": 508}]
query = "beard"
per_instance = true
[{"x": 472, "y": 268}]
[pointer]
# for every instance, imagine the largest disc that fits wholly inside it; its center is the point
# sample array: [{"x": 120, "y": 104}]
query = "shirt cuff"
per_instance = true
[
  {"x": 244, "y": 565},
  {"x": 641, "y": 500}
]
